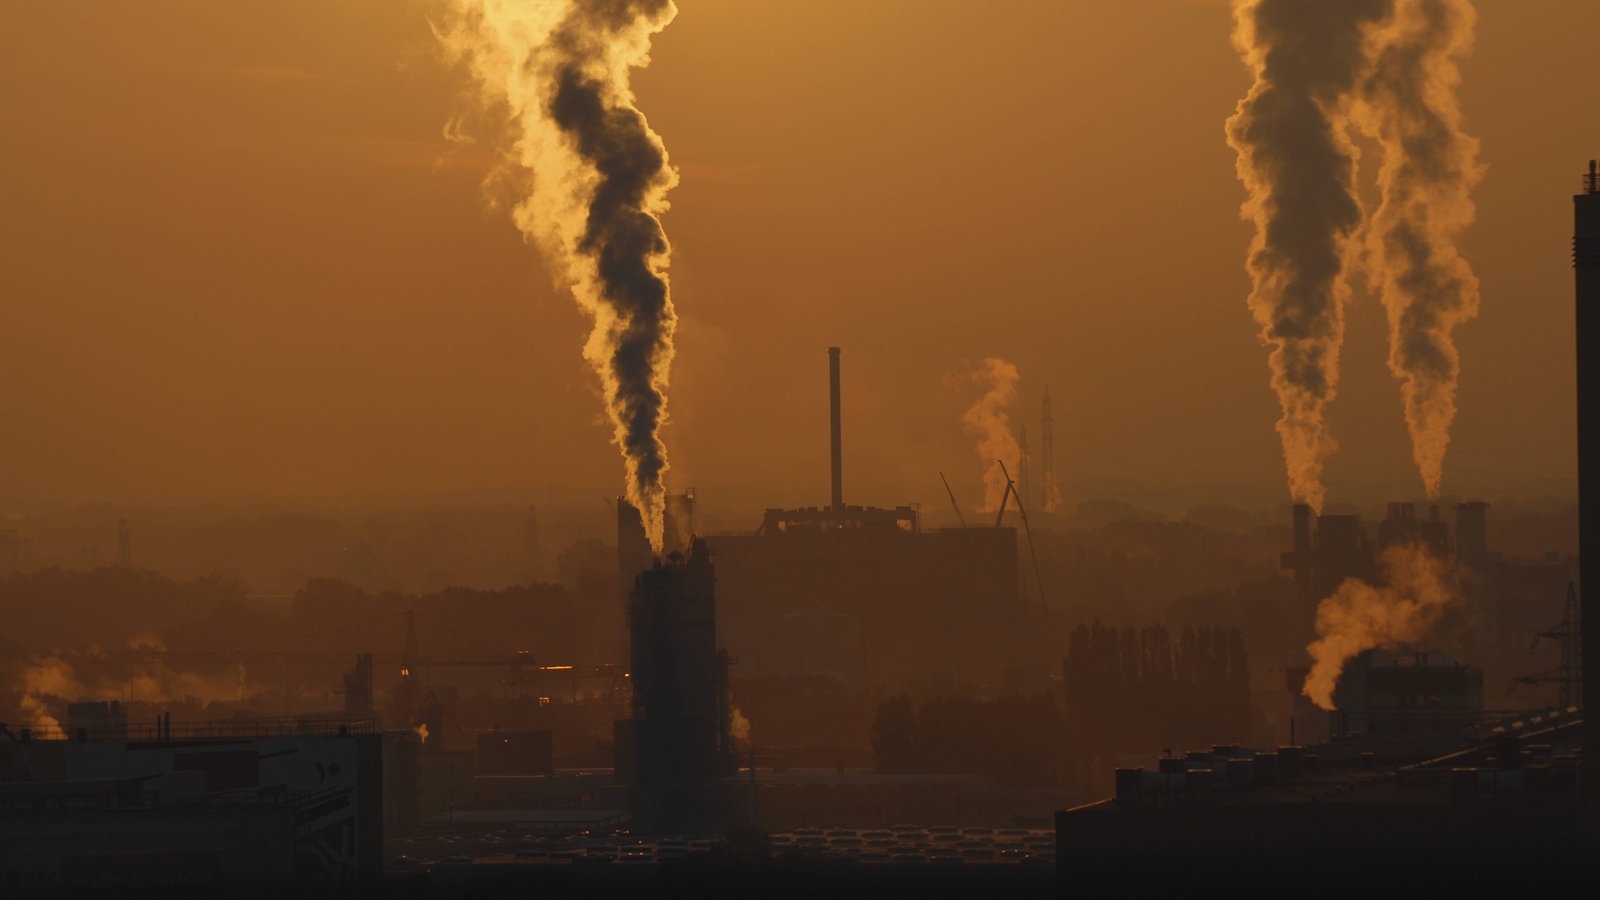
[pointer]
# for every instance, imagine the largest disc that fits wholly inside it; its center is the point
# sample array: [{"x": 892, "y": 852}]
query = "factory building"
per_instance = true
[
  {"x": 903, "y": 607},
  {"x": 1493, "y": 811},
  {"x": 232, "y": 807},
  {"x": 1511, "y": 601}
]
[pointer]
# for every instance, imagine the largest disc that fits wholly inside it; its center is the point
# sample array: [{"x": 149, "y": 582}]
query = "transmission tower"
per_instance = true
[
  {"x": 1022, "y": 465},
  {"x": 1569, "y": 675},
  {"x": 124, "y": 545},
  {"x": 1051, "y": 494}
]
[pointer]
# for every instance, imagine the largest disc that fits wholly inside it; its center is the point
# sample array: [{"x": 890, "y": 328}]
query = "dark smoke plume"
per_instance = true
[
  {"x": 1430, "y": 166},
  {"x": 1297, "y": 162},
  {"x": 598, "y": 185}
]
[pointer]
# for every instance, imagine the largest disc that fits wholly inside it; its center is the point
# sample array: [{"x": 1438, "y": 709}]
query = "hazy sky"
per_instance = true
[{"x": 239, "y": 260}]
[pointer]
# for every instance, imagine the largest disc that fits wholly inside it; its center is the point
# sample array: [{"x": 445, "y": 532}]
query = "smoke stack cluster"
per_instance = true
[
  {"x": 1388, "y": 68},
  {"x": 1413, "y": 597}
]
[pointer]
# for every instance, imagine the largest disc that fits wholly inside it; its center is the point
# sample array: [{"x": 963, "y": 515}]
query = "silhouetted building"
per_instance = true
[
  {"x": 97, "y": 720},
  {"x": 191, "y": 808},
  {"x": 1321, "y": 561},
  {"x": 1383, "y": 693},
  {"x": 938, "y": 608},
  {"x": 680, "y": 713}
]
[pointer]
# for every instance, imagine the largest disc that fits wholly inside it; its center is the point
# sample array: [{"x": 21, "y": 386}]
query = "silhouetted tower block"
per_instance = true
[
  {"x": 633, "y": 546},
  {"x": 1586, "y": 262},
  {"x": 835, "y": 437},
  {"x": 124, "y": 545},
  {"x": 679, "y": 677},
  {"x": 1472, "y": 535}
]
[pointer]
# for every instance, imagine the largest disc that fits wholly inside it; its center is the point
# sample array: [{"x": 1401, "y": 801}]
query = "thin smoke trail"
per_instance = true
[
  {"x": 593, "y": 188},
  {"x": 1298, "y": 166},
  {"x": 1430, "y": 166},
  {"x": 987, "y": 418}
]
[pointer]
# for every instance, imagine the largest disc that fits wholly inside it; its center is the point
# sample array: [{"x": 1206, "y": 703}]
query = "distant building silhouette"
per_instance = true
[{"x": 680, "y": 711}]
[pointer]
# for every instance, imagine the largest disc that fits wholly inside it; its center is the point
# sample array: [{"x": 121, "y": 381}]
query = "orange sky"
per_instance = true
[{"x": 241, "y": 262}]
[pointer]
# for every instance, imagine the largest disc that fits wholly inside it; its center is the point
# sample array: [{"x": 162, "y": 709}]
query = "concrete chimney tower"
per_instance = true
[
  {"x": 838, "y": 445},
  {"x": 1586, "y": 260}
]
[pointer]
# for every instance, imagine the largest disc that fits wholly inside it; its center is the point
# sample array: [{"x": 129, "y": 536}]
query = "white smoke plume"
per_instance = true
[
  {"x": 1291, "y": 133},
  {"x": 47, "y": 683},
  {"x": 1430, "y": 166},
  {"x": 594, "y": 185},
  {"x": 988, "y": 419},
  {"x": 1415, "y": 595}
]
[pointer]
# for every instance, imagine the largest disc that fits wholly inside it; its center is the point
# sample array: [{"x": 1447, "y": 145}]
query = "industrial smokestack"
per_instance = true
[
  {"x": 1586, "y": 260},
  {"x": 838, "y": 445},
  {"x": 1302, "y": 552}
]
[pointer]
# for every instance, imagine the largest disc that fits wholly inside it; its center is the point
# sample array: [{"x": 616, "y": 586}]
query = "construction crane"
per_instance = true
[
  {"x": 954, "y": 505},
  {"x": 1023, "y": 512}
]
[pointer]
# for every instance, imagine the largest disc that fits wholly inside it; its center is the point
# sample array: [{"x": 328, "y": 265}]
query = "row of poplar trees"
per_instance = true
[{"x": 1136, "y": 690}]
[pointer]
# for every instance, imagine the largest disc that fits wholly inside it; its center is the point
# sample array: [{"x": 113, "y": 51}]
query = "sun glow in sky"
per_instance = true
[{"x": 241, "y": 260}]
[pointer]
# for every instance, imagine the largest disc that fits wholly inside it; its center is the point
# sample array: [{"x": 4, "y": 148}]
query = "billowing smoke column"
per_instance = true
[
  {"x": 596, "y": 185},
  {"x": 1415, "y": 596},
  {"x": 988, "y": 420},
  {"x": 1408, "y": 105},
  {"x": 1297, "y": 162}
]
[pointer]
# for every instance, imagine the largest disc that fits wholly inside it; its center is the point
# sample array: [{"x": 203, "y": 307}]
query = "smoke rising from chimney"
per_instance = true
[
  {"x": 1430, "y": 166},
  {"x": 988, "y": 419},
  {"x": 1359, "y": 616},
  {"x": 1298, "y": 165},
  {"x": 593, "y": 181}
]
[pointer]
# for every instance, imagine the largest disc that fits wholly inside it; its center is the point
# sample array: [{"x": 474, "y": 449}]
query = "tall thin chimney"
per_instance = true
[
  {"x": 1586, "y": 262},
  {"x": 838, "y": 451},
  {"x": 1302, "y": 553}
]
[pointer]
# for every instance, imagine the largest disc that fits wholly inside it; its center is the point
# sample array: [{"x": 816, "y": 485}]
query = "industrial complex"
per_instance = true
[{"x": 757, "y": 660}]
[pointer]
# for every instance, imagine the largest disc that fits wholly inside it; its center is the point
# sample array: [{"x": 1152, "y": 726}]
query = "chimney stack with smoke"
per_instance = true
[
  {"x": 1296, "y": 161},
  {"x": 595, "y": 185},
  {"x": 1430, "y": 166}
]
